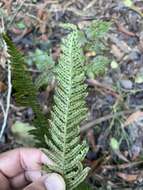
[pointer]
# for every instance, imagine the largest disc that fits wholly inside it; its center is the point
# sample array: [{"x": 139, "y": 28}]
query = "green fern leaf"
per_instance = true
[
  {"x": 25, "y": 91},
  {"x": 97, "y": 67},
  {"x": 97, "y": 29},
  {"x": 45, "y": 64},
  {"x": 64, "y": 147}
]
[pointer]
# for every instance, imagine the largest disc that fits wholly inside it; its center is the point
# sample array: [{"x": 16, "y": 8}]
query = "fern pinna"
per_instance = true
[
  {"x": 25, "y": 91},
  {"x": 64, "y": 146}
]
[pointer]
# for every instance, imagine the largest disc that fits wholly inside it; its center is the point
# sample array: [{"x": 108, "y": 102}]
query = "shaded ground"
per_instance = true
[{"x": 115, "y": 100}]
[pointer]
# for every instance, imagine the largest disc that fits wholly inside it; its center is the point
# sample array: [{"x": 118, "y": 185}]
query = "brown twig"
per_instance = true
[
  {"x": 91, "y": 4},
  {"x": 122, "y": 29},
  {"x": 108, "y": 89},
  {"x": 104, "y": 118},
  {"x": 122, "y": 166}
]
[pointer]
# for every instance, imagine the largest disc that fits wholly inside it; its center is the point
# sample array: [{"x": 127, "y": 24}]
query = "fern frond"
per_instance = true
[
  {"x": 25, "y": 91},
  {"x": 64, "y": 147}
]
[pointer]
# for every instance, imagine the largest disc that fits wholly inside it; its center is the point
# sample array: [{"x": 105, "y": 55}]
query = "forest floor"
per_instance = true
[{"x": 114, "y": 128}]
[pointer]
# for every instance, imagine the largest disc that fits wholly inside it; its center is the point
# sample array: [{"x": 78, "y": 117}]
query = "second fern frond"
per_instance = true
[{"x": 25, "y": 91}]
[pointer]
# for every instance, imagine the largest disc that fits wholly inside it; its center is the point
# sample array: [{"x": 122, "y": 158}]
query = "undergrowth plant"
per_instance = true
[
  {"x": 45, "y": 65},
  {"x": 97, "y": 67},
  {"x": 94, "y": 43},
  {"x": 69, "y": 111}
]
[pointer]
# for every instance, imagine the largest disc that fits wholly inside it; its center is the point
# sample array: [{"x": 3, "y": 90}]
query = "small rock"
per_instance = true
[
  {"x": 108, "y": 80},
  {"x": 117, "y": 52},
  {"x": 91, "y": 155},
  {"x": 127, "y": 84},
  {"x": 134, "y": 55},
  {"x": 110, "y": 99}
]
